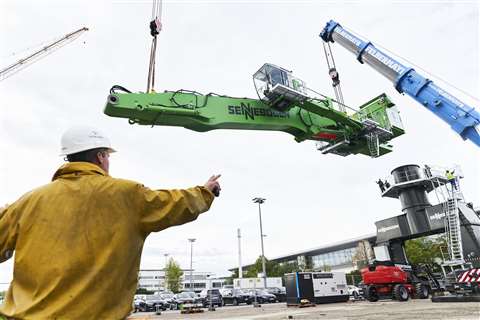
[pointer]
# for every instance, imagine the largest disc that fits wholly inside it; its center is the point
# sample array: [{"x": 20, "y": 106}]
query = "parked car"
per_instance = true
[
  {"x": 354, "y": 292},
  {"x": 151, "y": 303},
  {"x": 279, "y": 293},
  {"x": 138, "y": 299},
  {"x": 211, "y": 297},
  {"x": 262, "y": 296},
  {"x": 169, "y": 300},
  {"x": 235, "y": 296},
  {"x": 186, "y": 297}
]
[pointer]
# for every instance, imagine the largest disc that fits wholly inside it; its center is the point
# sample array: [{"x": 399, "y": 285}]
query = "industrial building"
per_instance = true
[
  {"x": 344, "y": 256},
  {"x": 154, "y": 280}
]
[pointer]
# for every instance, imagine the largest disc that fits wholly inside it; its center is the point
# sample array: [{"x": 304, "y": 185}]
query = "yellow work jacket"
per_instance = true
[{"x": 78, "y": 242}]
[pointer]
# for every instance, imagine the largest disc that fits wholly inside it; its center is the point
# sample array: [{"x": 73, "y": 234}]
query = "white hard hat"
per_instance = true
[{"x": 82, "y": 138}]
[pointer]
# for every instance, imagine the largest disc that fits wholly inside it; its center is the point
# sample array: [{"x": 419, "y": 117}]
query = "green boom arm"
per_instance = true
[{"x": 368, "y": 131}]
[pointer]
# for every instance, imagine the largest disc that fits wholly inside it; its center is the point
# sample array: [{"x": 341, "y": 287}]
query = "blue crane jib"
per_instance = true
[{"x": 462, "y": 118}]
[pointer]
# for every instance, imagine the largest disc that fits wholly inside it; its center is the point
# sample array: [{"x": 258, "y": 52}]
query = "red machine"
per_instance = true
[{"x": 383, "y": 279}]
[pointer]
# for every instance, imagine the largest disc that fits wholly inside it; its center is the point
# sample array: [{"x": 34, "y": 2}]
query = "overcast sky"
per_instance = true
[{"x": 215, "y": 46}]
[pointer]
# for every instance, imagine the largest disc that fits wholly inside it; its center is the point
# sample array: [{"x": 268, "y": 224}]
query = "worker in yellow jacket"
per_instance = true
[{"x": 78, "y": 240}]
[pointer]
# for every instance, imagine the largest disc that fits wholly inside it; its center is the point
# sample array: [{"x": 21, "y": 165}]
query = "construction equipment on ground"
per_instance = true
[
  {"x": 383, "y": 279},
  {"x": 462, "y": 118},
  {"x": 451, "y": 216},
  {"x": 39, "y": 54},
  {"x": 307, "y": 288}
]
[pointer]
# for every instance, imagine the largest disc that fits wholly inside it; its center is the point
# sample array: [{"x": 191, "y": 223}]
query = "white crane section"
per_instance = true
[{"x": 37, "y": 55}]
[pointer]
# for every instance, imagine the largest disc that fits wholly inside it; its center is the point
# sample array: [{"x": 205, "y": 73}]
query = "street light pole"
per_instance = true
[
  {"x": 260, "y": 201},
  {"x": 165, "y": 283},
  {"x": 192, "y": 240}
]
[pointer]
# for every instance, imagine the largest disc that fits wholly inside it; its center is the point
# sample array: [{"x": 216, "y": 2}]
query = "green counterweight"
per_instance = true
[{"x": 368, "y": 131}]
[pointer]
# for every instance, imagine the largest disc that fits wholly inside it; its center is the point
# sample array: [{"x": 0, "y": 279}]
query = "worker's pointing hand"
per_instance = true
[{"x": 213, "y": 185}]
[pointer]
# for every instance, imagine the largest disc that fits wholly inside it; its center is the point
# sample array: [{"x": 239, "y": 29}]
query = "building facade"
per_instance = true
[
  {"x": 346, "y": 256},
  {"x": 154, "y": 280}
]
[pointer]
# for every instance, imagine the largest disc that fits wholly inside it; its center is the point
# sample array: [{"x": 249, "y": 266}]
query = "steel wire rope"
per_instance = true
[
  {"x": 324, "y": 96},
  {"x": 155, "y": 28}
]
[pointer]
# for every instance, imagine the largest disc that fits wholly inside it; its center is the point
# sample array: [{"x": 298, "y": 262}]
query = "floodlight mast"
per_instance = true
[{"x": 260, "y": 201}]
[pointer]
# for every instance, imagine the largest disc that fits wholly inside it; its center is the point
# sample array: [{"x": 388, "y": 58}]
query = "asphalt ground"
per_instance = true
[{"x": 391, "y": 310}]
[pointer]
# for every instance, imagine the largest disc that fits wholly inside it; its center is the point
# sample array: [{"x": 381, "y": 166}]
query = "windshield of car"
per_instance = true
[
  {"x": 186, "y": 295},
  {"x": 152, "y": 297},
  {"x": 166, "y": 296},
  {"x": 255, "y": 291},
  {"x": 226, "y": 292}
]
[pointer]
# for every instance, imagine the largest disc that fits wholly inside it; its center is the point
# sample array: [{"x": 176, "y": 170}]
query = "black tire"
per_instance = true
[
  {"x": 421, "y": 291},
  {"x": 400, "y": 293},
  {"x": 356, "y": 296},
  {"x": 371, "y": 294},
  {"x": 476, "y": 288}
]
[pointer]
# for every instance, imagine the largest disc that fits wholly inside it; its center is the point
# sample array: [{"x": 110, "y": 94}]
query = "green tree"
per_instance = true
[
  {"x": 326, "y": 268},
  {"x": 426, "y": 250},
  {"x": 353, "y": 277},
  {"x": 363, "y": 254},
  {"x": 234, "y": 274},
  {"x": 173, "y": 274},
  {"x": 143, "y": 291},
  {"x": 280, "y": 269},
  {"x": 273, "y": 269},
  {"x": 257, "y": 268}
]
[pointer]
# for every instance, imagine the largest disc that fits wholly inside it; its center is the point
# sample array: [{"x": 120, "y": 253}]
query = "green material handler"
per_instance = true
[{"x": 283, "y": 105}]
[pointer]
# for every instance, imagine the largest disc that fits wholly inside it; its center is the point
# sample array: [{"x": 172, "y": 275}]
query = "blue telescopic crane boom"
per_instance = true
[{"x": 462, "y": 118}]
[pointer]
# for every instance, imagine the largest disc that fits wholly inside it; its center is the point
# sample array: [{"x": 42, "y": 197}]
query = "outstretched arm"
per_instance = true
[
  {"x": 8, "y": 232},
  {"x": 161, "y": 209}
]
